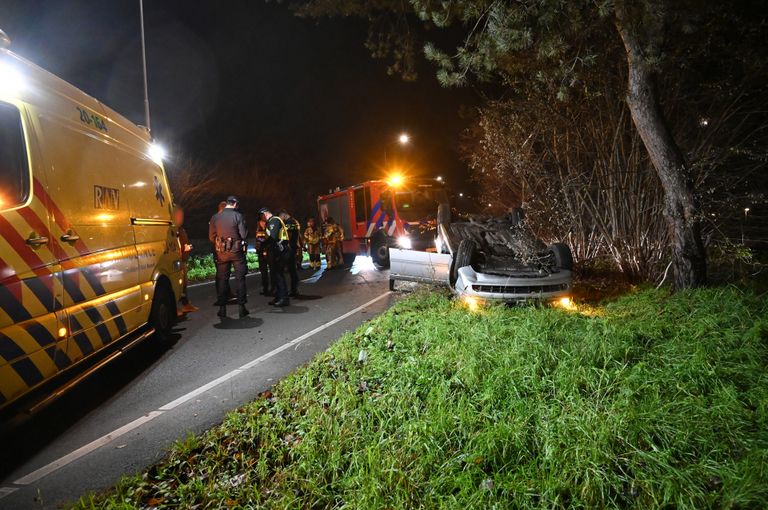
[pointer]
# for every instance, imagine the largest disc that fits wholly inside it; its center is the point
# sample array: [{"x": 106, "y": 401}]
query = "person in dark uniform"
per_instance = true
[
  {"x": 261, "y": 251},
  {"x": 278, "y": 253},
  {"x": 294, "y": 245},
  {"x": 227, "y": 231},
  {"x": 230, "y": 297}
]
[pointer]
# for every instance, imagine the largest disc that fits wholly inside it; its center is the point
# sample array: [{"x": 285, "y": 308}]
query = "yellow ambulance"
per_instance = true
[{"x": 89, "y": 256}]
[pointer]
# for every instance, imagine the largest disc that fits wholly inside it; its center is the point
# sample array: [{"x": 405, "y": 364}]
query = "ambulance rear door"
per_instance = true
[{"x": 33, "y": 327}]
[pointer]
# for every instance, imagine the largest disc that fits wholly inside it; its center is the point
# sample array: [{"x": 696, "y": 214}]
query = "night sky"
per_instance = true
[{"x": 248, "y": 77}]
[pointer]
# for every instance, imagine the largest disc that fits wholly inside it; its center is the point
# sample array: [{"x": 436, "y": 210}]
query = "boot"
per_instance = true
[
  {"x": 243, "y": 311},
  {"x": 222, "y": 311}
]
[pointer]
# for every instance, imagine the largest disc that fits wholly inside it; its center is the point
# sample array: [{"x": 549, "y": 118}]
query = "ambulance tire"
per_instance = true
[
  {"x": 380, "y": 252},
  {"x": 163, "y": 315}
]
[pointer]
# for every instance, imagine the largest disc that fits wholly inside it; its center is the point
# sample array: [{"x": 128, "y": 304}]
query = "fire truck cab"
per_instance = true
[{"x": 377, "y": 215}]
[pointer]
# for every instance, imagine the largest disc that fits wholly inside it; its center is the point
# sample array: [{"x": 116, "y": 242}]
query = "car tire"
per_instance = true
[
  {"x": 380, "y": 252},
  {"x": 563, "y": 256},
  {"x": 162, "y": 317},
  {"x": 443, "y": 214},
  {"x": 391, "y": 284},
  {"x": 465, "y": 254}
]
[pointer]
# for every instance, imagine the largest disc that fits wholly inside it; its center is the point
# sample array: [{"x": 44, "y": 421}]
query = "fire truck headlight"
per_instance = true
[{"x": 404, "y": 242}]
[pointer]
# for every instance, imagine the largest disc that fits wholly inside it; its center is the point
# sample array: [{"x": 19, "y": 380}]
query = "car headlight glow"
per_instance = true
[{"x": 404, "y": 242}]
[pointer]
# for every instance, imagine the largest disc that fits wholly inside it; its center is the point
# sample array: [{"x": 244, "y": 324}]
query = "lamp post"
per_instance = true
[
  {"x": 144, "y": 68},
  {"x": 403, "y": 139}
]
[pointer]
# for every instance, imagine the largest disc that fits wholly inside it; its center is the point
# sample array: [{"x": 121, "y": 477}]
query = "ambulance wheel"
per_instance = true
[
  {"x": 380, "y": 253},
  {"x": 163, "y": 315}
]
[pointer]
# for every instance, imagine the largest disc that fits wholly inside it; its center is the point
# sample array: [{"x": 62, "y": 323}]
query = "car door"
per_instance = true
[
  {"x": 419, "y": 266},
  {"x": 33, "y": 332}
]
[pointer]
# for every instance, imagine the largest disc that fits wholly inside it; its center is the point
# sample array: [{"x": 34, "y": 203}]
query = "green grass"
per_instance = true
[
  {"x": 651, "y": 401},
  {"x": 202, "y": 267}
]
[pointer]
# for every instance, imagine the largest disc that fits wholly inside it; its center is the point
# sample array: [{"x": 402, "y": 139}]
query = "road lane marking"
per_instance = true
[
  {"x": 202, "y": 389},
  {"x": 107, "y": 438},
  {"x": 6, "y": 491},
  {"x": 86, "y": 449}
]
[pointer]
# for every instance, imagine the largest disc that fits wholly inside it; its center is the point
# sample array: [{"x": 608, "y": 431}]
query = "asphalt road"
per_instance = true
[{"x": 125, "y": 417}]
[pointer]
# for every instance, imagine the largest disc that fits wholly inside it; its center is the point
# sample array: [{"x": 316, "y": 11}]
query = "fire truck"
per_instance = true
[{"x": 377, "y": 215}]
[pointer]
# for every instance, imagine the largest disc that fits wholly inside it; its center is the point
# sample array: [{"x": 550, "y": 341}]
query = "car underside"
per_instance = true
[{"x": 489, "y": 258}]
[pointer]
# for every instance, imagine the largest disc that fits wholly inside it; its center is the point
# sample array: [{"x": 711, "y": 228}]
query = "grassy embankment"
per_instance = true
[
  {"x": 202, "y": 267},
  {"x": 650, "y": 401}
]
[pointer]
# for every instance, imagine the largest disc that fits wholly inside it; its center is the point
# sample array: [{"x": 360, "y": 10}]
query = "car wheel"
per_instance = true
[
  {"x": 163, "y": 315},
  {"x": 465, "y": 254},
  {"x": 563, "y": 256},
  {"x": 443, "y": 214},
  {"x": 380, "y": 252}
]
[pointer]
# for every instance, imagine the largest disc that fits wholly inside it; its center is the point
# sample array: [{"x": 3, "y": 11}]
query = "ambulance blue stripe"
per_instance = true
[
  {"x": 9, "y": 349},
  {"x": 27, "y": 371},
  {"x": 119, "y": 322},
  {"x": 72, "y": 285},
  {"x": 40, "y": 333},
  {"x": 81, "y": 339},
  {"x": 12, "y": 306},
  {"x": 38, "y": 288},
  {"x": 93, "y": 281},
  {"x": 59, "y": 357}
]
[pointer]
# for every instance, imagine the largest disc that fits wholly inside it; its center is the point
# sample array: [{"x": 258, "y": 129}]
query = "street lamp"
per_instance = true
[{"x": 404, "y": 138}]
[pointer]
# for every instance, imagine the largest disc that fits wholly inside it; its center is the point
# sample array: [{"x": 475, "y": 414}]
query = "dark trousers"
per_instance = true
[
  {"x": 293, "y": 272},
  {"x": 224, "y": 265},
  {"x": 277, "y": 271},
  {"x": 264, "y": 270}
]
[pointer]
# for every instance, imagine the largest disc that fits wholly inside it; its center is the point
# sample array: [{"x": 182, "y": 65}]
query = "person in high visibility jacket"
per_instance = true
[
  {"x": 261, "y": 253},
  {"x": 312, "y": 243},
  {"x": 278, "y": 254},
  {"x": 332, "y": 235},
  {"x": 294, "y": 246}
]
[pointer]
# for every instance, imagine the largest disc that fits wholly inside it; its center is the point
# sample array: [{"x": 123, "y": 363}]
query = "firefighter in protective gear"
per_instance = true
[
  {"x": 261, "y": 252},
  {"x": 294, "y": 244},
  {"x": 312, "y": 243},
  {"x": 227, "y": 231},
  {"x": 331, "y": 236},
  {"x": 278, "y": 255}
]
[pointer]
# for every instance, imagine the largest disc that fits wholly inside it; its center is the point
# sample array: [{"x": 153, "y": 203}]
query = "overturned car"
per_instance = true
[{"x": 489, "y": 259}]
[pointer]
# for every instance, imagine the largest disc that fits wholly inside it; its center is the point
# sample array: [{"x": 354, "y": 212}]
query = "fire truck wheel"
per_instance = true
[
  {"x": 380, "y": 253},
  {"x": 163, "y": 314}
]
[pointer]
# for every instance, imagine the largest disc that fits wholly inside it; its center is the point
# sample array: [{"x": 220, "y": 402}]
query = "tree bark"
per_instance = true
[{"x": 681, "y": 208}]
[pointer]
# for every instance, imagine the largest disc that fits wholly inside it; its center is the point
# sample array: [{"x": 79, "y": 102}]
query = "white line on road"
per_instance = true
[
  {"x": 86, "y": 449},
  {"x": 105, "y": 439}
]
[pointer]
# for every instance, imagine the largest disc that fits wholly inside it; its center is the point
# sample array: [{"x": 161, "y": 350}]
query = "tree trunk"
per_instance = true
[{"x": 680, "y": 205}]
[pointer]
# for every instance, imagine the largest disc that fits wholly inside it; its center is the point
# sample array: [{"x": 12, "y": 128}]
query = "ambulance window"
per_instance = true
[{"x": 14, "y": 177}]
